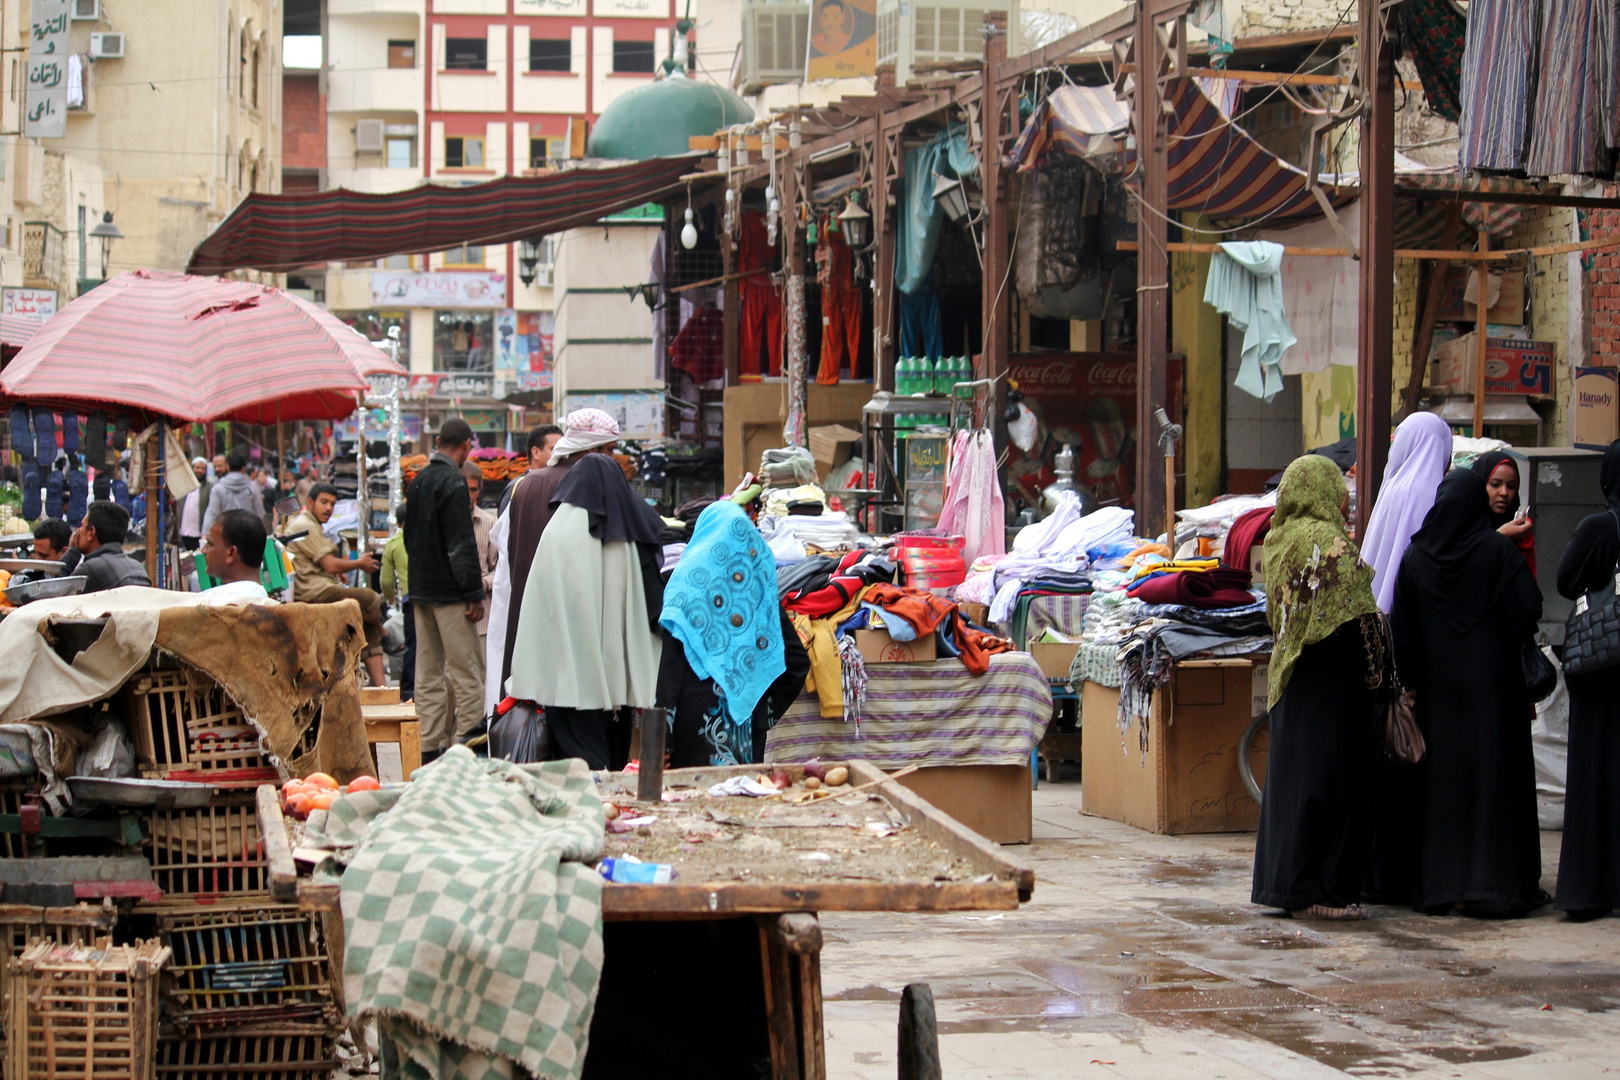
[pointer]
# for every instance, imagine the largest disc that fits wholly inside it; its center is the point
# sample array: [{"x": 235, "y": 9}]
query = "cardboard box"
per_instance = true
[
  {"x": 1597, "y": 407},
  {"x": 1085, "y": 335},
  {"x": 1511, "y": 367},
  {"x": 975, "y": 613},
  {"x": 877, "y": 647},
  {"x": 832, "y": 444},
  {"x": 1055, "y": 658},
  {"x": 1509, "y": 306},
  {"x": 1187, "y": 780}
]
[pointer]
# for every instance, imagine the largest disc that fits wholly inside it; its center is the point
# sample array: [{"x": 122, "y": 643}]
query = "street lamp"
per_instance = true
[
  {"x": 952, "y": 197},
  {"x": 856, "y": 224},
  {"x": 107, "y": 232},
  {"x": 528, "y": 259}
]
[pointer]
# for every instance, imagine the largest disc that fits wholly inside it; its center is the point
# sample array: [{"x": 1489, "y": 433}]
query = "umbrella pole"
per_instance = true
[
  {"x": 281, "y": 453},
  {"x": 154, "y": 536}
]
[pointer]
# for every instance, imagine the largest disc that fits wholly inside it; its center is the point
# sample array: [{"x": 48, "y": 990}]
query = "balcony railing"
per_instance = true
[{"x": 44, "y": 255}]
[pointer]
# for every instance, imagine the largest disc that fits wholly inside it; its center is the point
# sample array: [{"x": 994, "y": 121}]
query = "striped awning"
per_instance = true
[
  {"x": 18, "y": 330},
  {"x": 1080, "y": 120},
  {"x": 277, "y": 233}
]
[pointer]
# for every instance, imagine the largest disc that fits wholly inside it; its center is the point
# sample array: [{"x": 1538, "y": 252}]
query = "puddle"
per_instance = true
[
  {"x": 1306, "y": 1037},
  {"x": 865, "y": 993},
  {"x": 1467, "y": 1055}
]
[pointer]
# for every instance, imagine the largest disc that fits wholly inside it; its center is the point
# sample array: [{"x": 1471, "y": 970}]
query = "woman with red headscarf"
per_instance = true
[{"x": 1502, "y": 482}]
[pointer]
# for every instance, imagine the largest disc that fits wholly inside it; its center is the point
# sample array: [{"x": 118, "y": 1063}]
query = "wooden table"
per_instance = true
[
  {"x": 395, "y": 723},
  {"x": 691, "y": 966}
]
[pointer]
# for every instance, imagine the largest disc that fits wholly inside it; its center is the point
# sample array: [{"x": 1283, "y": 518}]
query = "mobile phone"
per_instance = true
[{"x": 1518, "y": 519}]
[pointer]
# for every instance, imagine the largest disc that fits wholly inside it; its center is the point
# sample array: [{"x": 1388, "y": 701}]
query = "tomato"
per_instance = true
[
  {"x": 300, "y": 803},
  {"x": 364, "y": 783},
  {"x": 323, "y": 800},
  {"x": 292, "y": 785},
  {"x": 322, "y": 780}
]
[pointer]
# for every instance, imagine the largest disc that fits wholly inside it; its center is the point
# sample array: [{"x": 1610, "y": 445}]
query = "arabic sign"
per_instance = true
[
  {"x": 448, "y": 290},
  {"x": 451, "y": 385},
  {"x": 28, "y": 302},
  {"x": 843, "y": 39},
  {"x": 633, "y": 9},
  {"x": 550, "y": 7},
  {"x": 46, "y": 102}
]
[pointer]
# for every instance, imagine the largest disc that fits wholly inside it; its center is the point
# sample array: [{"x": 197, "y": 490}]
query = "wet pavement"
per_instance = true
[{"x": 1140, "y": 956}]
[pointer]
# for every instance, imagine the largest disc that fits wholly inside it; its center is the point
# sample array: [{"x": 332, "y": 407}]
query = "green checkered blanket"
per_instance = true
[{"x": 473, "y": 927}]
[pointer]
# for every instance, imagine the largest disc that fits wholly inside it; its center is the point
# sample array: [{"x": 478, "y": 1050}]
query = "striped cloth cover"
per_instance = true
[
  {"x": 1498, "y": 84},
  {"x": 933, "y": 713},
  {"x": 1568, "y": 133},
  {"x": 1061, "y": 613}
]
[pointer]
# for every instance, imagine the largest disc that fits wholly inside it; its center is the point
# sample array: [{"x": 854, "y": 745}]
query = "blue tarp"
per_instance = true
[{"x": 948, "y": 154}]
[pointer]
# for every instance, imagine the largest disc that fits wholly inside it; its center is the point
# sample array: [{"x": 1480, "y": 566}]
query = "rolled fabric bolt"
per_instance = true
[
  {"x": 33, "y": 479},
  {"x": 95, "y": 441},
  {"x": 78, "y": 493},
  {"x": 22, "y": 431},
  {"x": 44, "y": 436},
  {"x": 55, "y": 485}
]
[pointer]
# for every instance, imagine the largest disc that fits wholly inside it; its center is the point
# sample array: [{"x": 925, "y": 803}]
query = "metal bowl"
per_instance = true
[
  {"x": 18, "y": 595},
  {"x": 17, "y": 566},
  {"x": 17, "y": 540}
]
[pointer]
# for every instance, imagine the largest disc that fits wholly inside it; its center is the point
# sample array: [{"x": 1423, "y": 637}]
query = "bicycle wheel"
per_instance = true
[{"x": 1246, "y": 754}]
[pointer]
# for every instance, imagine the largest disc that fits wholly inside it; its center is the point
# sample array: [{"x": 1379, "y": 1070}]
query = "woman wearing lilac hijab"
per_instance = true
[{"x": 1418, "y": 458}]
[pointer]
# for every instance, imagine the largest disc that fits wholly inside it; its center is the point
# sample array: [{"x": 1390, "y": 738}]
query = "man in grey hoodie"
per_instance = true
[{"x": 234, "y": 491}]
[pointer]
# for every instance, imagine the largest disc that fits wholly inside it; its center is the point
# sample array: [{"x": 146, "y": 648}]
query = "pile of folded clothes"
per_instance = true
[{"x": 1202, "y": 531}]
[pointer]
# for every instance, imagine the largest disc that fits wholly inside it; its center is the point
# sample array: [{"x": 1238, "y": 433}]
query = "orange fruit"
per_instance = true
[
  {"x": 322, "y": 780},
  {"x": 323, "y": 800},
  {"x": 300, "y": 803},
  {"x": 292, "y": 785},
  {"x": 364, "y": 783}
]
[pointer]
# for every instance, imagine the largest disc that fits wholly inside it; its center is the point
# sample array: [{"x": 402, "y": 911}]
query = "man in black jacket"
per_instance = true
[
  {"x": 101, "y": 539},
  {"x": 447, "y": 593}
]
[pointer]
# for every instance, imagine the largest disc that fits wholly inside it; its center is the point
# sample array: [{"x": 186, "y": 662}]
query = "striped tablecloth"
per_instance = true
[
  {"x": 933, "y": 713},
  {"x": 1061, "y": 612}
]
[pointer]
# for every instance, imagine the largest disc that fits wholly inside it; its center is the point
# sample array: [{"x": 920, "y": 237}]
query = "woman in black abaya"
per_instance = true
[
  {"x": 1311, "y": 855},
  {"x": 1589, "y": 866},
  {"x": 1465, "y": 606}
]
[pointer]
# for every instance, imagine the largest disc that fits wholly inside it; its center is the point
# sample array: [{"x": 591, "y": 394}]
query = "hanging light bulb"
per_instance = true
[
  {"x": 689, "y": 232},
  {"x": 795, "y": 135},
  {"x": 729, "y": 227}
]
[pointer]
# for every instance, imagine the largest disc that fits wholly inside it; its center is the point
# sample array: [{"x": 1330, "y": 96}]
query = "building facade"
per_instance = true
[{"x": 172, "y": 116}]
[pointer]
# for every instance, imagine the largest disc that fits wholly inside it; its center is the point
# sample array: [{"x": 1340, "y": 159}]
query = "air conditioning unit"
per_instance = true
[
  {"x": 106, "y": 46},
  {"x": 86, "y": 10},
  {"x": 545, "y": 277},
  {"x": 909, "y": 33},
  {"x": 368, "y": 136},
  {"x": 774, "y": 44}
]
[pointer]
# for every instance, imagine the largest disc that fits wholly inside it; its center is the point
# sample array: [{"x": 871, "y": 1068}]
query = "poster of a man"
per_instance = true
[
  {"x": 843, "y": 39},
  {"x": 832, "y": 27}
]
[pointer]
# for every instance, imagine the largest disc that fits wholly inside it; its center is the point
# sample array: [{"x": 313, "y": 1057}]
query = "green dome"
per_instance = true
[{"x": 655, "y": 120}]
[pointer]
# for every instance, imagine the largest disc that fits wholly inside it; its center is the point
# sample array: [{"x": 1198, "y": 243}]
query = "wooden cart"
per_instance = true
[{"x": 699, "y": 974}]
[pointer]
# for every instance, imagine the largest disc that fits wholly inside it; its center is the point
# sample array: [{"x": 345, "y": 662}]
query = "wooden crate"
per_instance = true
[
  {"x": 208, "y": 851},
  {"x": 85, "y": 1012},
  {"x": 241, "y": 962},
  {"x": 259, "y": 1052},
  {"x": 183, "y": 722},
  {"x": 14, "y": 845}
]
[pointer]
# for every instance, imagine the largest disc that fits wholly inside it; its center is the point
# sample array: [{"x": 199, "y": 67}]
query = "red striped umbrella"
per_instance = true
[{"x": 197, "y": 349}]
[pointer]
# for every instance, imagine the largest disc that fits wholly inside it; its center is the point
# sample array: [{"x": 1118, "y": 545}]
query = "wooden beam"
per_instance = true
[
  {"x": 712, "y": 142},
  {"x": 1000, "y": 99},
  {"x": 1423, "y": 336},
  {"x": 1506, "y": 198},
  {"x": 1120, "y": 24},
  {"x": 1375, "y": 359},
  {"x": 1482, "y": 304},
  {"x": 1268, "y": 78},
  {"x": 1500, "y": 255},
  {"x": 1152, "y": 271}
]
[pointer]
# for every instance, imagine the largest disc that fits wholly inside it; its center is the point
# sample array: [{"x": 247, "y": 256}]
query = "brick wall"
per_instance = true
[
  {"x": 1603, "y": 292},
  {"x": 303, "y": 122},
  {"x": 1547, "y": 299},
  {"x": 1256, "y": 17}
]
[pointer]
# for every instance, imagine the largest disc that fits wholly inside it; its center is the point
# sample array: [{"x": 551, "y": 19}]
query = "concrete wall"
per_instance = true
[{"x": 603, "y": 338}]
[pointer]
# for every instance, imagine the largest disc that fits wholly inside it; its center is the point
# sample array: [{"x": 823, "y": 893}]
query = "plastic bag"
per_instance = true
[
  {"x": 111, "y": 754},
  {"x": 519, "y": 735},
  {"x": 1023, "y": 430}
]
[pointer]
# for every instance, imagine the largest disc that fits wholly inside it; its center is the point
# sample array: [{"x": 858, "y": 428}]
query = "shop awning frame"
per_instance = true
[{"x": 279, "y": 233}]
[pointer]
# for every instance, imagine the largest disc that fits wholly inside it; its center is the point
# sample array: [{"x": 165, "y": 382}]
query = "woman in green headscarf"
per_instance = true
[{"x": 1315, "y": 830}]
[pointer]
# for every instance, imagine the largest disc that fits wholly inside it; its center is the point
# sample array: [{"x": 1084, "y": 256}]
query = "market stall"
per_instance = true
[{"x": 735, "y": 919}]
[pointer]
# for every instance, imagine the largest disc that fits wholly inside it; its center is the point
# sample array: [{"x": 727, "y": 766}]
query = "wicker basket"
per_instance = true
[
  {"x": 257, "y": 1052},
  {"x": 184, "y": 722},
  {"x": 237, "y": 963},
  {"x": 85, "y": 1012},
  {"x": 208, "y": 851}
]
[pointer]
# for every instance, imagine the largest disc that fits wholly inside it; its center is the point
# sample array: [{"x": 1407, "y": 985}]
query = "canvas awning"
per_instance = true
[{"x": 277, "y": 233}]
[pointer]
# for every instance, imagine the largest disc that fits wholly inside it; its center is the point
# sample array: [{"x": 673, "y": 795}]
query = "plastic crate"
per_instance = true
[
  {"x": 209, "y": 851},
  {"x": 85, "y": 1012},
  {"x": 183, "y": 722},
  {"x": 259, "y": 1052},
  {"x": 239, "y": 963}
]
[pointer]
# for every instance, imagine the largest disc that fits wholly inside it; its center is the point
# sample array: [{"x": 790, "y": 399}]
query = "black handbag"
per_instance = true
[
  {"x": 1592, "y": 631},
  {"x": 1540, "y": 677}
]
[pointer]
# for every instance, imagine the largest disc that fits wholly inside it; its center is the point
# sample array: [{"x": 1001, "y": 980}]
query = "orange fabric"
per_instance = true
[
  {"x": 929, "y": 612},
  {"x": 840, "y": 308}
]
